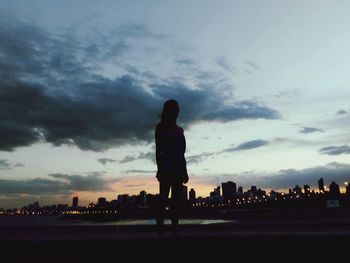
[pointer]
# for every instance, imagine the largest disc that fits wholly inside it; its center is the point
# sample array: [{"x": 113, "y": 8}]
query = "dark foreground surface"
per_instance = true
[{"x": 312, "y": 238}]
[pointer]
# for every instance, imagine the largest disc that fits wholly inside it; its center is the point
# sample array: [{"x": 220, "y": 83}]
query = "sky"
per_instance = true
[{"x": 263, "y": 89}]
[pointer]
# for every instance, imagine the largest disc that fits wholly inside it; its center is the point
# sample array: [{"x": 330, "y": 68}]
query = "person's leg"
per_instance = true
[
  {"x": 174, "y": 206},
  {"x": 164, "y": 189}
]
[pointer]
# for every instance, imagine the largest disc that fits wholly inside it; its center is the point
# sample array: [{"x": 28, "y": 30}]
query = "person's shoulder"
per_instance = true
[
  {"x": 179, "y": 128},
  {"x": 159, "y": 127}
]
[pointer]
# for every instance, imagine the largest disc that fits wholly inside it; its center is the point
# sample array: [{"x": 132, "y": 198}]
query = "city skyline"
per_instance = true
[
  {"x": 263, "y": 89},
  {"x": 226, "y": 191}
]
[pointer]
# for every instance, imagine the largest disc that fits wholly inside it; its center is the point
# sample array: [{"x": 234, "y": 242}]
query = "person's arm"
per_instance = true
[
  {"x": 185, "y": 174},
  {"x": 158, "y": 149}
]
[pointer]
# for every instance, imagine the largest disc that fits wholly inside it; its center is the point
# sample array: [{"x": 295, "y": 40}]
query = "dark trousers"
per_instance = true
[{"x": 164, "y": 189}]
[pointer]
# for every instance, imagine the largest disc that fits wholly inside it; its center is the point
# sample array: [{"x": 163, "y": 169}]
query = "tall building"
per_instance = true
[
  {"x": 216, "y": 191},
  {"x": 334, "y": 189},
  {"x": 143, "y": 199},
  {"x": 101, "y": 202},
  {"x": 254, "y": 190},
  {"x": 297, "y": 190},
  {"x": 306, "y": 189},
  {"x": 75, "y": 202},
  {"x": 228, "y": 190},
  {"x": 240, "y": 190},
  {"x": 321, "y": 185},
  {"x": 192, "y": 195}
]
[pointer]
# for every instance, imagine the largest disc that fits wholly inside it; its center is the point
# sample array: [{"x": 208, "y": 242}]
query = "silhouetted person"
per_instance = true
[{"x": 171, "y": 163}]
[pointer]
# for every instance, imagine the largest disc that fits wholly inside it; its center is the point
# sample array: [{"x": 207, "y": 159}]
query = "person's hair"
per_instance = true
[{"x": 170, "y": 112}]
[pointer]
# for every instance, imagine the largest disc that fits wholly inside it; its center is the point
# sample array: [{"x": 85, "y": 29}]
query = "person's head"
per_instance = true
[{"x": 170, "y": 112}]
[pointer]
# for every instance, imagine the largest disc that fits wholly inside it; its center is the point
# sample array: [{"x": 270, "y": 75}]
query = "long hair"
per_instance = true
[{"x": 170, "y": 112}]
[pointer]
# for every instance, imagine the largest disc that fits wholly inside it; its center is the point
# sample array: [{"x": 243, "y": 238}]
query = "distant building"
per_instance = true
[
  {"x": 123, "y": 199},
  {"x": 143, "y": 199},
  {"x": 347, "y": 189},
  {"x": 75, "y": 202},
  {"x": 192, "y": 196},
  {"x": 228, "y": 190},
  {"x": 261, "y": 192},
  {"x": 321, "y": 185},
  {"x": 306, "y": 189},
  {"x": 101, "y": 202},
  {"x": 297, "y": 190},
  {"x": 62, "y": 207},
  {"x": 216, "y": 192},
  {"x": 253, "y": 190},
  {"x": 240, "y": 190},
  {"x": 334, "y": 189}
]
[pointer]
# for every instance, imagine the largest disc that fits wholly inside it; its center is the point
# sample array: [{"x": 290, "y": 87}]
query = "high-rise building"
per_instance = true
[
  {"x": 228, "y": 190},
  {"x": 254, "y": 190},
  {"x": 101, "y": 202},
  {"x": 75, "y": 202},
  {"x": 334, "y": 189},
  {"x": 240, "y": 190},
  {"x": 36, "y": 205},
  {"x": 306, "y": 189},
  {"x": 216, "y": 191},
  {"x": 192, "y": 195},
  {"x": 321, "y": 185},
  {"x": 297, "y": 190},
  {"x": 143, "y": 199}
]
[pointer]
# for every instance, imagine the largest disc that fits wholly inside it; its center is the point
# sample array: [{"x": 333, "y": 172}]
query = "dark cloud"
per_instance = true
[
  {"x": 225, "y": 64},
  {"x": 59, "y": 187},
  {"x": 248, "y": 145},
  {"x": 35, "y": 186},
  {"x": 5, "y": 165},
  {"x": 288, "y": 94},
  {"x": 94, "y": 182},
  {"x": 208, "y": 104},
  {"x": 252, "y": 65},
  {"x": 139, "y": 171},
  {"x": 185, "y": 62},
  {"x": 58, "y": 184},
  {"x": 198, "y": 158},
  {"x": 310, "y": 130},
  {"x": 336, "y": 150},
  {"x": 288, "y": 178},
  {"x": 338, "y": 172},
  {"x": 104, "y": 161},
  {"x": 341, "y": 112},
  {"x": 130, "y": 158},
  {"x": 51, "y": 91},
  {"x": 137, "y": 31}
]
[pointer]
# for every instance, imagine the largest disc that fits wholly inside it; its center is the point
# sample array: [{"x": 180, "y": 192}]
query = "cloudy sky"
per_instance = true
[{"x": 263, "y": 89}]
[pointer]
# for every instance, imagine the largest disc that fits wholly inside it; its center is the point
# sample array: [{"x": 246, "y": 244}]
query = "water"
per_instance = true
[
  {"x": 55, "y": 220},
  {"x": 139, "y": 222}
]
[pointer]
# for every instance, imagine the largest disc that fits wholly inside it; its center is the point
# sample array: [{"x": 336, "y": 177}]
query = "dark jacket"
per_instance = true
[{"x": 170, "y": 153}]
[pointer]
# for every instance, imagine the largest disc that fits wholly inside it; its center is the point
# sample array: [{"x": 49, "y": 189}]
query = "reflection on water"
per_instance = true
[
  {"x": 137, "y": 222},
  {"x": 56, "y": 220}
]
